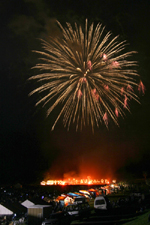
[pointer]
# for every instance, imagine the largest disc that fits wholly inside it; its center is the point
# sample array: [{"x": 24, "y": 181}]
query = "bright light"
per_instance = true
[
  {"x": 73, "y": 181},
  {"x": 114, "y": 181}
]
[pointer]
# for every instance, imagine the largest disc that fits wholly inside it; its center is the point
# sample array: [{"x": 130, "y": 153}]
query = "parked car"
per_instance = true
[
  {"x": 58, "y": 218},
  {"x": 78, "y": 210},
  {"x": 101, "y": 203},
  {"x": 80, "y": 199}
]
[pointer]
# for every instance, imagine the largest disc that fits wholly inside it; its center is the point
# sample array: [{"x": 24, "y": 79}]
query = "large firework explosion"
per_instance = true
[{"x": 89, "y": 74}]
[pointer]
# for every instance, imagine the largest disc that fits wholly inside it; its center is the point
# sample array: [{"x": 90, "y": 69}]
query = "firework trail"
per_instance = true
[{"x": 88, "y": 74}]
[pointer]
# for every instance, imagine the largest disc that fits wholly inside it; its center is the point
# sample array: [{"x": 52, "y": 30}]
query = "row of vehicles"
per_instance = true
[
  {"x": 77, "y": 210},
  {"x": 71, "y": 212}
]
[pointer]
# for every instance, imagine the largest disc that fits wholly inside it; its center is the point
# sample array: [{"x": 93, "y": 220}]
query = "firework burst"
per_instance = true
[{"x": 89, "y": 74}]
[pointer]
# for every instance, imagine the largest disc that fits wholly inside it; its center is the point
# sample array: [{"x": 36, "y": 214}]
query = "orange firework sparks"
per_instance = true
[{"x": 73, "y": 181}]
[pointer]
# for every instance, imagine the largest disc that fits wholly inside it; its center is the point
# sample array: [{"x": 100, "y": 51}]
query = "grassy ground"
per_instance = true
[{"x": 138, "y": 220}]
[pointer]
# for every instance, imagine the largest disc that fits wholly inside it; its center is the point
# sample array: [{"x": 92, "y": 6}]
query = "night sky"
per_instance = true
[{"x": 29, "y": 150}]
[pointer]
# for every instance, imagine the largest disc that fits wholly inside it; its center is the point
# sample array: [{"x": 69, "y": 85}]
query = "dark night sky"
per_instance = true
[{"x": 28, "y": 147}]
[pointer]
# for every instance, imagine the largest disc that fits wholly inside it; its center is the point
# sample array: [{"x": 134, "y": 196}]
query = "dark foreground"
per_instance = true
[{"x": 110, "y": 218}]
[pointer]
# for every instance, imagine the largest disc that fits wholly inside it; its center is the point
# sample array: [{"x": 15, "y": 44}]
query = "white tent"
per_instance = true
[
  {"x": 5, "y": 211},
  {"x": 9, "y": 208},
  {"x": 33, "y": 201},
  {"x": 27, "y": 203}
]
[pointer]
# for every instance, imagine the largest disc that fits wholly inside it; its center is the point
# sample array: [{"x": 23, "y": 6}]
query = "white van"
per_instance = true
[{"x": 101, "y": 203}]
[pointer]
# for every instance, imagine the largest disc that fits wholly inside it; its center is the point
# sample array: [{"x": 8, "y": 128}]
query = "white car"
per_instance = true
[{"x": 101, "y": 203}]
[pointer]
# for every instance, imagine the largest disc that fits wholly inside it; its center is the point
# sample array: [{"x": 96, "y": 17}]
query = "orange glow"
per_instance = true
[{"x": 74, "y": 181}]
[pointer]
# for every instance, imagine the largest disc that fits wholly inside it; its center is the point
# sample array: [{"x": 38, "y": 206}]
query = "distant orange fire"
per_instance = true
[{"x": 74, "y": 181}]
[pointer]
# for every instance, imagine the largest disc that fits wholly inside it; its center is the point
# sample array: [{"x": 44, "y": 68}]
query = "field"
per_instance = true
[{"x": 139, "y": 219}]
